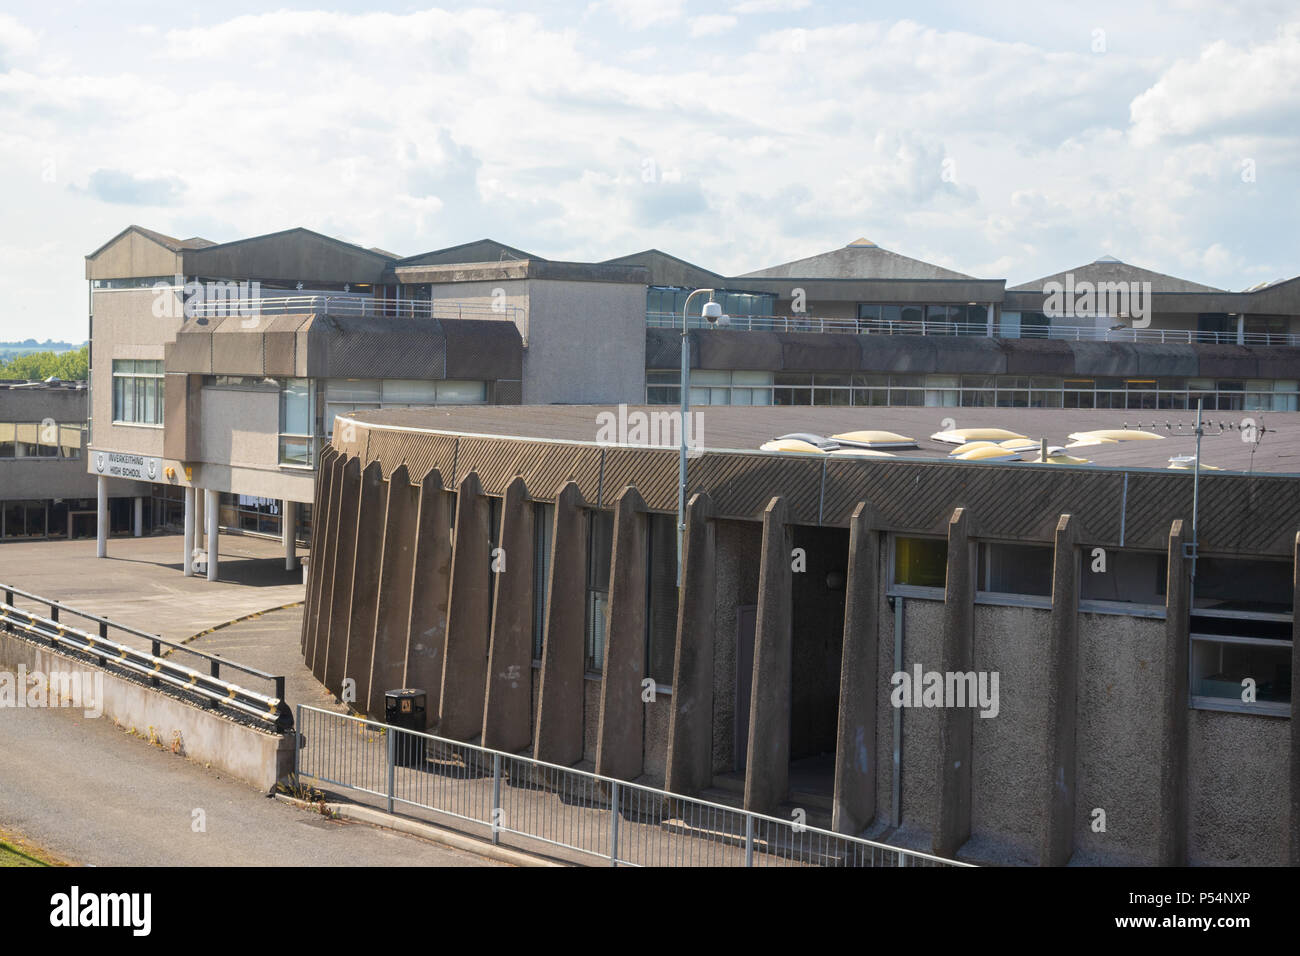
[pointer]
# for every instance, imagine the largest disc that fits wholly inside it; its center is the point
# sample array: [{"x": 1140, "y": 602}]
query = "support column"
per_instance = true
[
  {"x": 214, "y": 534},
  {"x": 507, "y": 706},
  {"x": 767, "y": 761},
  {"x": 332, "y": 644},
  {"x": 464, "y": 656},
  {"x": 139, "y": 516},
  {"x": 325, "y": 527},
  {"x": 619, "y": 746},
  {"x": 1056, "y": 841},
  {"x": 393, "y": 602},
  {"x": 200, "y": 518},
  {"x": 101, "y": 517},
  {"x": 560, "y": 692},
  {"x": 364, "y": 596},
  {"x": 320, "y": 522},
  {"x": 1241, "y": 328},
  {"x": 690, "y": 728},
  {"x": 952, "y": 828},
  {"x": 430, "y": 591},
  {"x": 187, "y": 561},
  {"x": 288, "y": 529},
  {"x": 856, "y": 757},
  {"x": 1294, "y": 829},
  {"x": 1172, "y": 842}
]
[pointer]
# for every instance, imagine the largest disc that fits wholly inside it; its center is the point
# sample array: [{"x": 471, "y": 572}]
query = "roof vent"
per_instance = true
[
  {"x": 862, "y": 243},
  {"x": 1109, "y": 259}
]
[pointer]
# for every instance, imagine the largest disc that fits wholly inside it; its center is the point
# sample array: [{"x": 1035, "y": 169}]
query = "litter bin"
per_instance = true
[{"x": 405, "y": 708}]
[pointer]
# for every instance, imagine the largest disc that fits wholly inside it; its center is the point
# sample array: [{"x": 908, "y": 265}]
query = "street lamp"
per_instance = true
[{"x": 712, "y": 312}]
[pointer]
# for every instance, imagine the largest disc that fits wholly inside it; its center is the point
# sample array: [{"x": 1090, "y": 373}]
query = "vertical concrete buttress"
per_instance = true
[
  {"x": 507, "y": 718},
  {"x": 1056, "y": 842},
  {"x": 1172, "y": 838},
  {"x": 560, "y": 693},
  {"x": 952, "y": 828},
  {"x": 464, "y": 657},
  {"x": 319, "y": 544},
  {"x": 619, "y": 743},
  {"x": 689, "y": 766},
  {"x": 767, "y": 764},
  {"x": 365, "y": 585},
  {"x": 430, "y": 593},
  {"x": 1294, "y": 830},
  {"x": 393, "y": 607},
  {"x": 856, "y": 760},
  {"x": 332, "y": 648}
]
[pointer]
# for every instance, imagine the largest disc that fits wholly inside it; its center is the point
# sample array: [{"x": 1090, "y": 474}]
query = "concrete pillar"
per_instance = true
[
  {"x": 288, "y": 527},
  {"x": 430, "y": 590},
  {"x": 1172, "y": 838},
  {"x": 1294, "y": 830},
  {"x": 767, "y": 762},
  {"x": 507, "y": 707},
  {"x": 214, "y": 534},
  {"x": 311, "y": 599},
  {"x": 101, "y": 517},
  {"x": 619, "y": 747},
  {"x": 689, "y": 766},
  {"x": 856, "y": 758},
  {"x": 1056, "y": 840},
  {"x": 952, "y": 828},
  {"x": 325, "y": 526},
  {"x": 332, "y": 645},
  {"x": 393, "y": 600},
  {"x": 560, "y": 692},
  {"x": 1241, "y": 328},
  {"x": 200, "y": 518},
  {"x": 138, "y": 526},
  {"x": 464, "y": 656},
  {"x": 187, "y": 559},
  {"x": 364, "y": 597}
]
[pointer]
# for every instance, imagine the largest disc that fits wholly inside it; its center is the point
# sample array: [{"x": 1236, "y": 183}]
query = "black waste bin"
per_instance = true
[{"x": 405, "y": 708}]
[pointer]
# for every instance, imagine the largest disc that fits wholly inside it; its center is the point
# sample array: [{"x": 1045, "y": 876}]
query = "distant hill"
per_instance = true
[{"x": 11, "y": 350}]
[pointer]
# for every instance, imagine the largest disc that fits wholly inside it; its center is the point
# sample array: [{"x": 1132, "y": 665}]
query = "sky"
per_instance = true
[{"x": 1003, "y": 140}]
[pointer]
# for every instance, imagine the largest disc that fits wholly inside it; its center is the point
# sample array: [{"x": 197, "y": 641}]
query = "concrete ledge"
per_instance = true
[
  {"x": 426, "y": 831},
  {"x": 246, "y": 753}
]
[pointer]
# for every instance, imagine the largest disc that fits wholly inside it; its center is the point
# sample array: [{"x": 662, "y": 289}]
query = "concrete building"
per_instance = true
[
  {"x": 1128, "y": 654},
  {"x": 217, "y": 370},
  {"x": 45, "y": 491}
]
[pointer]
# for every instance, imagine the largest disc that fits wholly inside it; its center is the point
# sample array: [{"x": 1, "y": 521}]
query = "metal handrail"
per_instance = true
[
  {"x": 928, "y": 327},
  {"x": 158, "y": 670},
  {"x": 361, "y": 306},
  {"x": 614, "y": 784},
  {"x": 155, "y": 640}
]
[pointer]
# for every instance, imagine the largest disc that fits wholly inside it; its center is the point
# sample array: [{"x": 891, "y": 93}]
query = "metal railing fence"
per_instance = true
[
  {"x": 360, "y": 306},
  {"x": 616, "y": 822}
]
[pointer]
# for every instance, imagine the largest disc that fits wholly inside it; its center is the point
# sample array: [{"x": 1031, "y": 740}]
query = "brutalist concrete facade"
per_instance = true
[{"x": 1094, "y": 756}]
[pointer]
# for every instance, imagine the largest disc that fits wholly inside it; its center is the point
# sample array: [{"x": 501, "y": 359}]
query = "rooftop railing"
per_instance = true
[
  {"x": 360, "y": 306},
  {"x": 1071, "y": 333}
]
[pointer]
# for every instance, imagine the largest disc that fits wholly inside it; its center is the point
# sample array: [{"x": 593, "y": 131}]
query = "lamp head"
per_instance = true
[{"x": 712, "y": 311}]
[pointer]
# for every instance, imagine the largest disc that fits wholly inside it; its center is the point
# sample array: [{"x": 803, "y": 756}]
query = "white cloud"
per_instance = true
[
  {"x": 711, "y": 25},
  {"x": 639, "y": 14},
  {"x": 770, "y": 6},
  {"x": 15, "y": 39}
]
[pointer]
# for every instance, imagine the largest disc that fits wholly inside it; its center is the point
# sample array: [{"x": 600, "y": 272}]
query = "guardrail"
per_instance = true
[
  {"x": 268, "y": 708},
  {"x": 349, "y": 305},
  {"x": 1070, "y": 333},
  {"x": 616, "y": 822}
]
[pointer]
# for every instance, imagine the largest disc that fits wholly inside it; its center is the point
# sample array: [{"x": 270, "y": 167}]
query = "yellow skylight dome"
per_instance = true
[
  {"x": 1019, "y": 444},
  {"x": 874, "y": 439},
  {"x": 970, "y": 446},
  {"x": 990, "y": 453},
  {"x": 960, "y": 436},
  {"x": 791, "y": 444},
  {"x": 1188, "y": 463},
  {"x": 1114, "y": 434},
  {"x": 850, "y": 452}
]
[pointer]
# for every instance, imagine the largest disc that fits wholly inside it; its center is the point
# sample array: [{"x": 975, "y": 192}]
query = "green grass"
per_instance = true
[{"x": 11, "y": 857}]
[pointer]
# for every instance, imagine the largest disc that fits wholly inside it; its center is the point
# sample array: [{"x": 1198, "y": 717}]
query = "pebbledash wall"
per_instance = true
[{"x": 1093, "y": 711}]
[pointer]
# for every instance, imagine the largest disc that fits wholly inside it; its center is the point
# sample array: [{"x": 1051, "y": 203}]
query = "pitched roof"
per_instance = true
[
  {"x": 167, "y": 242},
  {"x": 860, "y": 259},
  {"x": 480, "y": 250},
  {"x": 1110, "y": 269}
]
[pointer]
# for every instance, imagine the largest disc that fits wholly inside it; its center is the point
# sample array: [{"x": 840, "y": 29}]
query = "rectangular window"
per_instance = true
[
  {"x": 1015, "y": 569},
  {"x": 600, "y": 547},
  {"x": 1123, "y": 577},
  {"x": 661, "y": 598},
  {"x": 921, "y": 562},
  {"x": 138, "y": 391},
  {"x": 297, "y": 419},
  {"x": 543, "y": 521}
]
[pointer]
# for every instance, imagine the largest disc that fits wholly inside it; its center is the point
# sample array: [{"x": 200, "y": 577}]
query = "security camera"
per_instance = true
[{"x": 712, "y": 312}]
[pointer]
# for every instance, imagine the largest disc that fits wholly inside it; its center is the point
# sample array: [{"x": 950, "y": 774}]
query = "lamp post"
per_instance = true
[{"x": 712, "y": 312}]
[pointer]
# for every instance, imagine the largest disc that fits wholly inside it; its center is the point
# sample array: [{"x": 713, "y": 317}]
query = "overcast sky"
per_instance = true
[{"x": 998, "y": 139}]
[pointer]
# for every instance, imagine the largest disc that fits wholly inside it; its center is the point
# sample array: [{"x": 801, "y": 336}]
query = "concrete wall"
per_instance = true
[
  {"x": 254, "y": 756},
  {"x": 241, "y": 427},
  {"x": 586, "y": 343}
]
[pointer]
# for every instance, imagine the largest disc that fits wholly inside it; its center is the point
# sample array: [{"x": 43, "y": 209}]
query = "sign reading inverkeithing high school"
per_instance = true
[{"x": 116, "y": 464}]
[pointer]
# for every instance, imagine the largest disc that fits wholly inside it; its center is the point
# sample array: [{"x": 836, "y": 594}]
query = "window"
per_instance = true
[
  {"x": 921, "y": 562},
  {"x": 1122, "y": 577},
  {"x": 1015, "y": 569},
  {"x": 661, "y": 598},
  {"x": 39, "y": 440},
  {"x": 543, "y": 522},
  {"x": 297, "y": 419},
  {"x": 137, "y": 391},
  {"x": 600, "y": 548}
]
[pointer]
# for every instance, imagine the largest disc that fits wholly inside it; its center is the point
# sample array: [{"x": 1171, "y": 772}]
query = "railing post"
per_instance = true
[
  {"x": 297, "y": 747},
  {"x": 279, "y": 689},
  {"x": 155, "y": 649},
  {"x": 54, "y": 612},
  {"x": 214, "y": 668},
  {"x": 392, "y": 753},
  {"x": 749, "y": 839},
  {"x": 613, "y": 825},
  {"x": 496, "y": 798}
]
